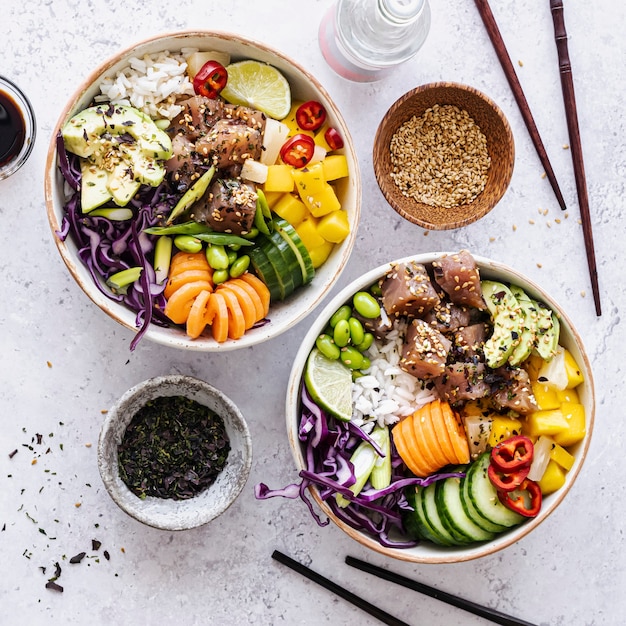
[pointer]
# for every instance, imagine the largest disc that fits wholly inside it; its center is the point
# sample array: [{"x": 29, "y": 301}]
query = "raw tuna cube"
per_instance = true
[
  {"x": 425, "y": 350},
  {"x": 459, "y": 277},
  {"x": 407, "y": 291}
]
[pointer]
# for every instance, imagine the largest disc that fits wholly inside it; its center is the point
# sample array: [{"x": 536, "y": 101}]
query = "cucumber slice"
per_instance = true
[
  {"x": 472, "y": 512},
  {"x": 452, "y": 513},
  {"x": 431, "y": 513},
  {"x": 283, "y": 262},
  {"x": 266, "y": 272},
  {"x": 484, "y": 497},
  {"x": 289, "y": 234},
  {"x": 418, "y": 521}
]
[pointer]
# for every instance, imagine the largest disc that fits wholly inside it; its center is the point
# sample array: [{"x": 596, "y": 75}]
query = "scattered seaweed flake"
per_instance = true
[
  {"x": 96, "y": 545},
  {"x": 12, "y": 454},
  {"x": 78, "y": 557},
  {"x": 51, "y": 584}
]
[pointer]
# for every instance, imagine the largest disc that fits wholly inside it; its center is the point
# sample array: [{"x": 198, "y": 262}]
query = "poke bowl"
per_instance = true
[
  {"x": 194, "y": 149},
  {"x": 439, "y": 408}
]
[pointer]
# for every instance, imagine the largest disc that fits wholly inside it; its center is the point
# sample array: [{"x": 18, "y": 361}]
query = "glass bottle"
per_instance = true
[{"x": 364, "y": 40}]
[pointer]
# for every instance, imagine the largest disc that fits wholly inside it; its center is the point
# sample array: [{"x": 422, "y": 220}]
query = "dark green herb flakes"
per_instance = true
[{"x": 174, "y": 447}]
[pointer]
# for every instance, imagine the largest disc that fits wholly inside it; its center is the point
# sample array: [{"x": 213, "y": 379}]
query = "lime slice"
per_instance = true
[
  {"x": 259, "y": 86},
  {"x": 330, "y": 384}
]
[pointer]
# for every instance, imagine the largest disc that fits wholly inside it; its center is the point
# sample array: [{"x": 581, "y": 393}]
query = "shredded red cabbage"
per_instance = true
[
  {"x": 328, "y": 446},
  {"x": 108, "y": 246}
]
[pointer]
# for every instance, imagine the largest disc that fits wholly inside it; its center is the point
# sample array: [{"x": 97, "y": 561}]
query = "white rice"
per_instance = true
[
  {"x": 386, "y": 393},
  {"x": 150, "y": 83}
]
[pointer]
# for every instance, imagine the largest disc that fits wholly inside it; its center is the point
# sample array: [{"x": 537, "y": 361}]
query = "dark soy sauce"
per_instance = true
[{"x": 12, "y": 129}]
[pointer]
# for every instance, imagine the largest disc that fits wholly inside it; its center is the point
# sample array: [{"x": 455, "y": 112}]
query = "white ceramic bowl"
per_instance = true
[
  {"x": 304, "y": 86},
  {"x": 167, "y": 513},
  {"x": 427, "y": 552}
]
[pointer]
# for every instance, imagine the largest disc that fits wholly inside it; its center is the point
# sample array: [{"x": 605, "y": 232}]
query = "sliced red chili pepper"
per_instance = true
[
  {"x": 298, "y": 150},
  {"x": 310, "y": 115},
  {"x": 525, "y": 499},
  {"x": 210, "y": 79},
  {"x": 507, "y": 481},
  {"x": 333, "y": 139},
  {"x": 512, "y": 453}
]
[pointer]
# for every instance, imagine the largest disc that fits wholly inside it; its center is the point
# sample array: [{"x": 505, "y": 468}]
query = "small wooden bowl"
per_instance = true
[{"x": 500, "y": 146}]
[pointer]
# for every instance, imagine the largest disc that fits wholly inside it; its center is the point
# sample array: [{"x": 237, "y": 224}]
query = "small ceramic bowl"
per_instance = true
[
  {"x": 499, "y": 144},
  {"x": 425, "y": 551},
  {"x": 167, "y": 513},
  {"x": 18, "y": 122},
  {"x": 282, "y": 315}
]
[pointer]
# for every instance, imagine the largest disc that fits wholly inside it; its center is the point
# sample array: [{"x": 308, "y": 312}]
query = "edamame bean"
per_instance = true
[
  {"x": 366, "y": 344},
  {"x": 252, "y": 234},
  {"x": 366, "y": 363},
  {"x": 375, "y": 289},
  {"x": 187, "y": 243},
  {"x": 342, "y": 313},
  {"x": 366, "y": 305},
  {"x": 327, "y": 347},
  {"x": 220, "y": 276},
  {"x": 240, "y": 266},
  {"x": 232, "y": 256},
  {"x": 357, "y": 333},
  {"x": 341, "y": 333},
  {"x": 351, "y": 357},
  {"x": 217, "y": 257}
]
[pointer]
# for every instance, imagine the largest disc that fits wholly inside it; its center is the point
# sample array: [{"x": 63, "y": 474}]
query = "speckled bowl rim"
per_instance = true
[
  {"x": 283, "y": 315},
  {"x": 427, "y": 552},
  {"x": 168, "y": 514}
]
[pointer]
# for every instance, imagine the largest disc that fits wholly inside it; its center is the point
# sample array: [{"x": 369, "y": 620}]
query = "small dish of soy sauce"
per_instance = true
[{"x": 17, "y": 128}]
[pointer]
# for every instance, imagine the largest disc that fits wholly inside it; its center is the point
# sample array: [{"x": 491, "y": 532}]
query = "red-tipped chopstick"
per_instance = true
[
  {"x": 569, "y": 98},
  {"x": 509, "y": 71}
]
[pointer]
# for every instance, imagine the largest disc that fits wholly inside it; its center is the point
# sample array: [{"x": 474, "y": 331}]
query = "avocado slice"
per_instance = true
[
  {"x": 529, "y": 326},
  {"x": 507, "y": 322},
  {"x": 121, "y": 148},
  {"x": 547, "y": 341}
]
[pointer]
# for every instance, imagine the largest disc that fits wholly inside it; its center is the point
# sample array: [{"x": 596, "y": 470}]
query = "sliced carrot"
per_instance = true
[
  {"x": 245, "y": 302},
  {"x": 179, "y": 304},
  {"x": 178, "y": 279},
  {"x": 196, "y": 322},
  {"x": 441, "y": 430},
  {"x": 217, "y": 317},
  {"x": 412, "y": 454},
  {"x": 181, "y": 258},
  {"x": 457, "y": 433},
  {"x": 421, "y": 444},
  {"x": 254, "y": 296},
  {"x": 236, "y": 320},
  {"x": 426, "y": 438},
  {"x": 260, "y": 287},
  {"x": 401, "y": 447}
]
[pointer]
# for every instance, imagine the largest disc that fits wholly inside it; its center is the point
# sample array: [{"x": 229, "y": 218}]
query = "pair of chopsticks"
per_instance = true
[
  {"x": 567, "y": 87},
  {"x": 490, "y": 614}
]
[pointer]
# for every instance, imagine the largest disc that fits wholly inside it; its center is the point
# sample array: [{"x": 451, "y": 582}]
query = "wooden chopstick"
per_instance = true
[
  {"x": 467, "y": 605},
  {"x": 369, "y": 608},
  {"x": 569, "y": 98},
  {"x": 509, "y": 71}
]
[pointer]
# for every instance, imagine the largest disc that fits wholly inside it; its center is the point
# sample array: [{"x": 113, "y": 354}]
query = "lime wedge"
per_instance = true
[
  {"x": 259, "y": 86},
  {"x": 330, "y": 384}
]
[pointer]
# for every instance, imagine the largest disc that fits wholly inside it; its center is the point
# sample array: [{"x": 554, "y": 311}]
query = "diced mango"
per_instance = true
[
  {"x": 545, "y": 396},
  {"x": 553, "y": 478},
  {"x": 273, "y": 197},
  {"x": 477, "y": 407},
  {"x": 279, "y": 178},
  {"x": 548, "y": 422},
  {"x": 533, "y": 365},
  {"x": 574, "y": 416},
  {"x": 561, "y": 456},
  {"x": 309, "y": 180},
  {"x": 321, "y": 253},
  {"x": 290, "y": 208},
  {"x": 502, "y": 428},
  {"x": 307, "y": 230},
  {"x": 335, "y": 166},
  {"x": 574, "y": 374},
  {"x": 567, "y": 395},
  {"x": 334, "y": 227},
  {"x": 320, "y": 137},
  {"x": 323, "y": 202}
]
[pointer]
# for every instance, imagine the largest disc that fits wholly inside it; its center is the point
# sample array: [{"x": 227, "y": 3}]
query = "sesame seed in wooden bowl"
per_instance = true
[{"x": 443, "y": 155}]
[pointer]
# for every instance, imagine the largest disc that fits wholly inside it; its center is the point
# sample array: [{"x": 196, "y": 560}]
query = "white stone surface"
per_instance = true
[{"x": 64, "y": 362}]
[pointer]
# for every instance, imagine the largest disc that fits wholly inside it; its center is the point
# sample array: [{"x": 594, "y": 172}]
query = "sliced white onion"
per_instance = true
[
  {"x": 553, "y": 372},
  {"x": 541, "y": 457},
  {"x": 254, "y": 171},
  {"x": 478, "y": 429},
  {"x": 274, "y": 136}
]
